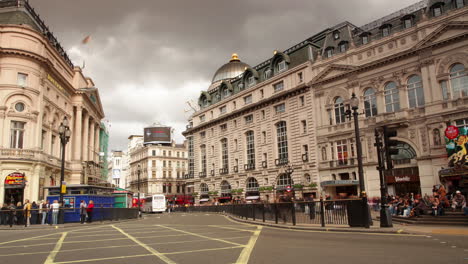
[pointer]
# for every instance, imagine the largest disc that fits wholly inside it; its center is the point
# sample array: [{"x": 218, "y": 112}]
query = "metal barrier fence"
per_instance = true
[
  {"x": 328, "y": 212},
  {"x": 36, "y": 216}
]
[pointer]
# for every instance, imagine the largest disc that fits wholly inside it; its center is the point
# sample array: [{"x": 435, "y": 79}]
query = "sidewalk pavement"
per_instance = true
[{"x": 396, "y": 229}]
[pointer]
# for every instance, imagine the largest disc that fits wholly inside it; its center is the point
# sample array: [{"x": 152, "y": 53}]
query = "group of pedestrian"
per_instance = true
[
  {"x": 43, "y": 213},
  {"x": 86, "y": 211}
]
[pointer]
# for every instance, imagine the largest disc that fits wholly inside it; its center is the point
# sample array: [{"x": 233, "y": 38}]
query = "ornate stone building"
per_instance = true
[
  {"x": 162, "y": 169},
  {"x": 409, "y": 71},
  {"x": 39, "y": 88}
]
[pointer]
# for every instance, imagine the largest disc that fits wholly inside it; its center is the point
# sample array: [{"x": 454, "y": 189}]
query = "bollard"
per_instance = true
[
  {"x": 322, "y": 212},
  {"x": 293, "y": 212},
  {"x": 253, "y": 212}
]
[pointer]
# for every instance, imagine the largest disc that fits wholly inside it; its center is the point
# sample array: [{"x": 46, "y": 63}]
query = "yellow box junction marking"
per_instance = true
[
  {"x": 202, "y": 236},
  {"x": 150, "y": 249},
  {"x": 50, "y": 259},
  {"x": 245, "y": 254}
]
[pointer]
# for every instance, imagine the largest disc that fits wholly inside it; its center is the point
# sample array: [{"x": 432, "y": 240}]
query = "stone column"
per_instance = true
[
  {"x": 97, "y": 142},
  {"x": 77, "y": 133},
  {"x": 91, "y": 141},
  {"x": 85, "y": 135}
]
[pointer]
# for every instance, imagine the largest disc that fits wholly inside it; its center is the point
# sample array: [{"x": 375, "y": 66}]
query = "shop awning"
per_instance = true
[
  {"x": 252, "y": 197},
  {"x": 204, "y": 200},
  {"x": 340, "y": 183}
]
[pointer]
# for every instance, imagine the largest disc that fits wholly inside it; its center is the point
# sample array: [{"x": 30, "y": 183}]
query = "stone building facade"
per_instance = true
[
  {"x": 162, "y": 169},
  {"x": 39, "y": 88},
  {"x": 408, "y": 70}
]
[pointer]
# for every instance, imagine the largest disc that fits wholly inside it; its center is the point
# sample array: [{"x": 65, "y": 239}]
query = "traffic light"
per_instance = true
[{"x": 390, "y": 145}]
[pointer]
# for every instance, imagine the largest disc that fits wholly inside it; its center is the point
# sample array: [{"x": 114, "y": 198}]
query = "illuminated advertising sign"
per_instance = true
[
  {"x": 157, "y": 135},
  {"x": 15, "y": 179}
]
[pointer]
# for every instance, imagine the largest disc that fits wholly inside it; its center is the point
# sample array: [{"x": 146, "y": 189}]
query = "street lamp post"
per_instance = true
[
  {"x": 138, "y": 187},
  {"x": 354, "y": 103},
  {"x": 64, "y": 132}
]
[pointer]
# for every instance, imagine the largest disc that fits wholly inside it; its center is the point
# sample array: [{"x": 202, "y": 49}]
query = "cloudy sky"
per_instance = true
[{"x": 149, "y": 57}]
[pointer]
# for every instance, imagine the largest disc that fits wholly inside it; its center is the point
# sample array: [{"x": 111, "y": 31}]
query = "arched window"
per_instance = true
[
  {"x": 224, "y": 153},
  {"x": 436, "y": 137},
  {"x": 251, "y": 185},
  {"x": 307, "y": 178},
  {"x": 204, "y": 188},
  {"x": 458, "y": 81},
  {"x": 339, "y": 111},
  {"x": 250, "y": 148},
  {"x": 225, "y": 188},
  {"x": 284, "y": 180},
  {"x": 282, "y": 139},
  {"x": 392, "y": 98},
  {"x": 415, "y": 91},
  {"x": 370, "y": 102},
  {"x": 324, "y": 153}
]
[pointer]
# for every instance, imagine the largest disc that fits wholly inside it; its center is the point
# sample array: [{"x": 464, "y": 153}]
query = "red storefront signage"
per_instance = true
[
  {"x": 451, "y": 132},
  {"x": 402, "y": 179},
  {"x": 15, "y": 179}
]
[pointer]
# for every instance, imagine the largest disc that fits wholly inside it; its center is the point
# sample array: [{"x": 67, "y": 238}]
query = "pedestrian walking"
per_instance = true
[
  {"x": 27, "y": 212},
  {"x": 4, "y": 211},
  {"x": 55, "y": 207},
  {"x": 83, "y": 211},
  {"x": 19, "y": 216},
  {"x": 89, "y": 211}
]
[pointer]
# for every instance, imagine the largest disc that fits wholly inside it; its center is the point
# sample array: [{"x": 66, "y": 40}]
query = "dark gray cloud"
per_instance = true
[{"x": 148, "y": 57}]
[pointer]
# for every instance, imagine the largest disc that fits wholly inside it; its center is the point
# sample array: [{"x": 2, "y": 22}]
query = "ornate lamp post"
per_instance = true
[
  {"x": 138, "y": 187},
  {"x": 354, "y": 104},
  {"x": 64, "y": 132}
]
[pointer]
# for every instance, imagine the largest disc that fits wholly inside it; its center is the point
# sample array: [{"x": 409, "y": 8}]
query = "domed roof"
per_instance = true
[{"x": 230, "y": 70}]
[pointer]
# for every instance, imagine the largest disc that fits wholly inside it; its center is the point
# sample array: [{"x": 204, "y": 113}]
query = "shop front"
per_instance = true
[
  {"x": 14, "y": 187},
  {"x": 226, "y": 195},
  {"x": 402, "y": 181},
  {"x": 341, "y": 189},
  {"x": 455, "y": 177}
]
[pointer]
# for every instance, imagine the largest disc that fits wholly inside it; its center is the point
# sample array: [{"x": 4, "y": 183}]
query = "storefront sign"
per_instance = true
[
  {"x": 402, "y": 179},
  {"x": 451, "y": 132},
  {"x": 15, "y": 180}
]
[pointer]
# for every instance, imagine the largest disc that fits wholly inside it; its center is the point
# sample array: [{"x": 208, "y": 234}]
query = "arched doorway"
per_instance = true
[
  {"x": 14, "y": 188},
  {"x": 251, "y": 191},
  {"x": 404, "y": 177},
  {"x": 284, "y": 187},
  {"x": 226, "y": 195}
]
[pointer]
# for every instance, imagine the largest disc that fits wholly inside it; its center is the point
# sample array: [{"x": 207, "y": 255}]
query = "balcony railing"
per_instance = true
[
  {"x": 212, "y": 172},
  {"x": 202, "y": 174},
  {"x": 33, "y": 155},
  {"x": 281, "y": 162},
  {"x": 305, "y": 157},
  {"x": 343, "y": 162},
  {"x": 223, "y": 171},
  {"x": 236, "y": 169},
  {"x": 189, "y": 176},
  {"x": 249, "y": 166},
  {"x": 264, "y": 164}
]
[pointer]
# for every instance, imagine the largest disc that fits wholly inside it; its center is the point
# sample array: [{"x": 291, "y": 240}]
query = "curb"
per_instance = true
[
  {"x": 70, "y": 225},
  {"x": 324, "y": 229}
]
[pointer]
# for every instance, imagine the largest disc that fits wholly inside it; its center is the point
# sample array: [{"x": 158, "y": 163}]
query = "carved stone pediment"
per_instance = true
[{"x": 333, "y": 70}]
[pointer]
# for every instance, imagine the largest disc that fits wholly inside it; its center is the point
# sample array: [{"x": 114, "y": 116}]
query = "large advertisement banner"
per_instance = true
[{"x": 157, "y": 135}]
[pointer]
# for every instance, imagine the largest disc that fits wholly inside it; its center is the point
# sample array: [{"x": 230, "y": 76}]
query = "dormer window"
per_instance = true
[
  {"x": 437, "y": 9},
  {"x": 281, "y": 66},
  {"x": 365, "y": 39},
  {"x": 205, "y": 101},
  {"x": 251, "y": 81},
  {"x": 226, "y": 92},
  {"x": 240, "y": 86},
  {"x": 336, "y": 35},
  {"x": 329, "y": 52},
  {"x": 386, "y": 30},
  {"x": 267, "y": 74},
  {"x": 343, "y": 46},
  {"x": 408, "y": 22},
  {"x": 459, "y": 3}
]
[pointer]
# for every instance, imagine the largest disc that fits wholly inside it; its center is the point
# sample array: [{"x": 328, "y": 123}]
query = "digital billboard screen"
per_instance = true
[{"x": 157, "y": 135}]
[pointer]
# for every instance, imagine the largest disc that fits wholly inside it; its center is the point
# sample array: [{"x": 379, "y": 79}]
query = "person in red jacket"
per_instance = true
[{"x": 89, "y": 211}]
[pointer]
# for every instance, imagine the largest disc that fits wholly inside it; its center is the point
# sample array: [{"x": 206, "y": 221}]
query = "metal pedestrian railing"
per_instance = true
[
  {"x": 11, "y": 217},
  {"x": 323, "y": 212}
]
